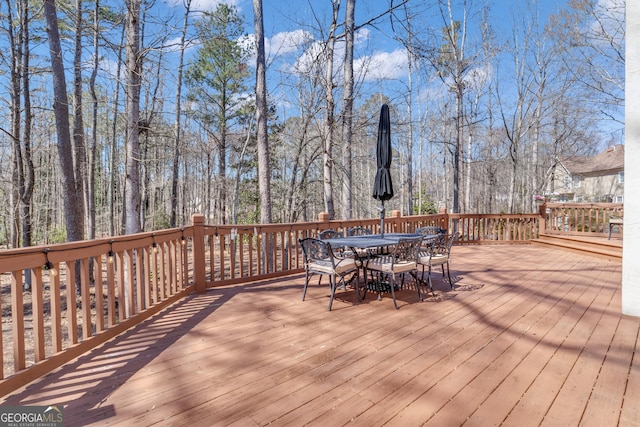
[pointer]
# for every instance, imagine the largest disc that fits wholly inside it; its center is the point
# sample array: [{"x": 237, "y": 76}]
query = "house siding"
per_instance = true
[{"x": 583, "y": 179}]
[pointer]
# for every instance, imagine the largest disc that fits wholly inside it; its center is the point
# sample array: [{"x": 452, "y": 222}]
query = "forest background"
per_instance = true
[{"x": 163, "y": 118}]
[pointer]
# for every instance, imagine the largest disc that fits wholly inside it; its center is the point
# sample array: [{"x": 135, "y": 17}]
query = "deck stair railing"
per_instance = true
[{"x": 579, "y": 219}]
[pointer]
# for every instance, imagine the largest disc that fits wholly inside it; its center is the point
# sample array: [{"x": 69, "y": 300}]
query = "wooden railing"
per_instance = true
[
  {"x": 60, "y": 301},
  {"x": 495, "y": 228},
  {"x": 591, "y": 219},
  {"x": 84, "y": 293},
  {"x": 237, "y": 253}
]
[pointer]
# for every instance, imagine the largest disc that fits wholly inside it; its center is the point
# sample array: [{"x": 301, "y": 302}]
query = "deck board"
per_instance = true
[{"x": 529, "y": 336}]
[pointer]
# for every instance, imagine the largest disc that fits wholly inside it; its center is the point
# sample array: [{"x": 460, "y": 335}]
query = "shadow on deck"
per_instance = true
[{"x": 529, "y": 335}]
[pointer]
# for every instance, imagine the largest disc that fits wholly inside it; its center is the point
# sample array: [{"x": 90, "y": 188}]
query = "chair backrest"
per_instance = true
[
  {"x": 358, "y": 231},
  {"x": 316, "y": 250},
  {"x": 437, "y": 246},
  {"x": 329, "y": 234},
  {"x": 407, "y": 249},
  {"x": 447, "y": 243}
]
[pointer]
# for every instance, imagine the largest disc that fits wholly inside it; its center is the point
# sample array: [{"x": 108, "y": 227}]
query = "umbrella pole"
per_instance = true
[{"x": 382, "y": 219}]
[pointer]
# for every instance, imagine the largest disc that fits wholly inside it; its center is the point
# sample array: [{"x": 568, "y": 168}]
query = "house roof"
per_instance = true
[{"x": 610, "y": 159}]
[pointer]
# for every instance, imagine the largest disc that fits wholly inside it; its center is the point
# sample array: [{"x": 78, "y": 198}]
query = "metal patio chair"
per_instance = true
[
  {"x": 319, "y": 259},
  {"x": 388, "y": 268},
  {"x": 437, "y": 252}
]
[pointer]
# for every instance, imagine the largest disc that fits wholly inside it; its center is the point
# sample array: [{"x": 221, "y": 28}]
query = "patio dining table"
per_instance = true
[{"x": 368, "y": 241}]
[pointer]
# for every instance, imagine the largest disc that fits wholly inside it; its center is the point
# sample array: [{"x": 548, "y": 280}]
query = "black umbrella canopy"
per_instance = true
[{"x": 382, "y": 186}]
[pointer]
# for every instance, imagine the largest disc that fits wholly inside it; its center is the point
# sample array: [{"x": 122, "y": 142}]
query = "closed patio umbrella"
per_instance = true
[{"x": 382, "y": 186}]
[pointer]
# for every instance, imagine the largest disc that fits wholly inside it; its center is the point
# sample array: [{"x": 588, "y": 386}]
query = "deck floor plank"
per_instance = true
[
  {"x": 529, "y": 336},
  {"x": 574, "y": 330},
  {"x": 570, "y": 403},
  {"x": 505, "y": 397},
  {"x": 412, "y": 354},
  {"x": 606, "y": 400},
  {"x": 485, "y": 367}
]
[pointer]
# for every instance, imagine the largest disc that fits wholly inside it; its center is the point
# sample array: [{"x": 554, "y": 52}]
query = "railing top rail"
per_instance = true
[
  {"x": 500, "y": 215},
  {"x": 585, "y": 205},
  {"x": 21, "y": 258}
]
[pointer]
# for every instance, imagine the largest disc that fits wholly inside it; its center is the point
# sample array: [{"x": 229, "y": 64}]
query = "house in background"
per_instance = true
[{"x": 592, "y": 179}]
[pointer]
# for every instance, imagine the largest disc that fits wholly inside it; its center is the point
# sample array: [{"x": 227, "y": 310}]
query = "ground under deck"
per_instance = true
[{"x": 529, "y": 336}]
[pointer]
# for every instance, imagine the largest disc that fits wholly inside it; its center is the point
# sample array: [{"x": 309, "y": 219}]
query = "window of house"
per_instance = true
[
  {"x": 577, "y": 181},
  {"x": 620, "y": 177},
  {"x": 567, "y": 182},
  {"x": 619, "y": 199}
]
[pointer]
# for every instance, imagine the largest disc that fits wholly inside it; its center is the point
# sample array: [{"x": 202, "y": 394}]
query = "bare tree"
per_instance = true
[
  {"x": 79, "y": 147},
  {"x": 329, "y": 124},
  {"x": 452, "y": 58},
  {"x": 594, "y": 34},
  {"x": 73, "y": 204},
  {"x": 347, "y": 114},
  {"x": 264, "y": 170},
  {"x": 22, "y": 164},
  {"x": 177, "y": 122},
  {"x": 133, "y": 78},
  {"x": 93, "y": 150}
]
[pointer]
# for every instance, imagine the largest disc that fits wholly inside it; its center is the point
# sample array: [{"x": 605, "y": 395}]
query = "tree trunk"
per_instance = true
[
  {"x": 93, "y": 152},
  {"x": 133, "y": 70},
  {"x": 177, "y": 127},
  {"x": 79, "y": 147},
  {"x": 347, "y": 117},
  {"x": 113, "y": 152},
  {"x": 17, "y": 165},
  {"x": 329, "y": 121},
  {"x": 264, "y": 169},
  {"x": 72, "y": 205}
]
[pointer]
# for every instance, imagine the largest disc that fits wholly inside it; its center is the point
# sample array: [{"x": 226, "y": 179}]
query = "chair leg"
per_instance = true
[
  {"x": 333, "y": 284},
  {"x": 306, "y": 283},
  {"x": 375, "y": 281},
  {"x": 429, "y": 277},
  {"x": 428, "y": 282},
  {"x": 418, "y": 283},
  {"x": 393, "y": 293},
  {"x": 362, "y": 291},
  {"x": 449, "y": 276}
]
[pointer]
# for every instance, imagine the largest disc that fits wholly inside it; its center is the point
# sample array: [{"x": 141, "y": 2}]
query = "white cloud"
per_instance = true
[
  {"x": 362, "y": 36},
  {"x": 477, "y": 77},
  {"x": 202, "y": 5},
  {"x": 309, "y": 57},
  {"x": 287, "y": 42},
  {"x": 382, "y": 65}
]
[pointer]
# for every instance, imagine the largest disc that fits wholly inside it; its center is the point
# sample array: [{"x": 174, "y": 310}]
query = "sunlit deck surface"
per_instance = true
[{"x": 529, "y": 336}]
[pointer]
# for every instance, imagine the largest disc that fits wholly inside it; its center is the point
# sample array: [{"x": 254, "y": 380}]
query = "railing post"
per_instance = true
[
  {"x": 443, "y": 211},
  {"x": 395, "y": 218},
  {"x": 199, "y": 277},
  {"x": 323, "y": 219},
  {"x": 542, "y": 210}
]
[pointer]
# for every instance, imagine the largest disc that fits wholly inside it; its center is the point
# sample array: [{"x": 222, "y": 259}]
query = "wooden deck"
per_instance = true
[{"x": 529, "y": 336}]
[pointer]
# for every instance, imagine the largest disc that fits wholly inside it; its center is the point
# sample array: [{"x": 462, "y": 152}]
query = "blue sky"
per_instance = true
[
  {"x": 289, "y": 23},
  {"x": 294, "y": 29}
]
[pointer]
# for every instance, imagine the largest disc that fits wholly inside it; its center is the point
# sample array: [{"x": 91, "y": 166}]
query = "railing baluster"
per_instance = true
[
  {"x": 37, "y": 310},
  {"x": 17, "y": 314},
  {"x": 111, "y": 297},
  {"x": 85, "y": 298},
  {"x": 98, "y": 290}
]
